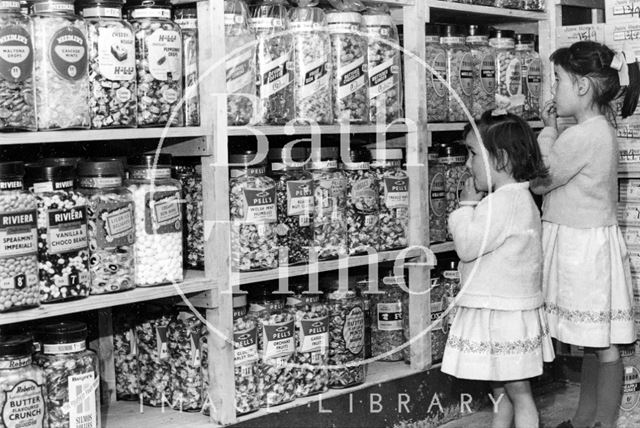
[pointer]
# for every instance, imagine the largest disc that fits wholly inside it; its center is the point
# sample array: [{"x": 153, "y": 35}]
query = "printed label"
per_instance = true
[
  {"x": 18, "y": 233},
  {"x": 437, "y": 195},
  {"x": 390, "y": 316},
  {"x": 396, "y": 192},
  {"x": 353, "y": 330},
  {"x": 162, "y": 342},
  {"x": 50, "y": 186},
  {"x": 68, "y": 53},
  {"x": 67, "y": 230},
  {"x": 381, "y": 78},
  {"x": 630, "y": 389},
  {"x": 165, "y": 55},
  {"x": 314, "y": 335},
  {"x": 488, "y": 74},
  {"x": 246, "y": 346},
  {"x": 100, "y": 182},
  {"x": 11, "y": 185},
  {"x": 115, "y": 226},
  {"x": 82, "y": 401},
  {"x": 239, "y": 71},
  {"x": 16, "y": 54},
  {"x": 300, "y": 197},
  {"x": 162, "y": 212},
  {"x": 534, "y": 78},
  {"x": 63, "y": 348},
  {"x": 364, "y": 195},
  {"x": 278, "y": 340},
  {"x": 130, "y": 336},
  {"x": 109, "y": 12},
  {"x": 316, "y": 76},
  {"x": 276, "y": 75},
  {"x": 466, "y": 74},
  {"x": 260, "y": 205},
  {"x": 351, "y": 78},
  {"x": 233, "y": 19},
  {"x": 23, "y": 406},
  {"x": 151, "y": 13},
  {"x": 327, "y": 193},
  {"x": 116, "y": 53},
  {"x": 439, "y": 65},
  {"x": 437, "y": 308},
  {"x": 514, "y": 77}
]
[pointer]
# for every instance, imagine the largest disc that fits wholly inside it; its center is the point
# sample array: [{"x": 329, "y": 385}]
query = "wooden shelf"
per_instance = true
[
  {"x": 73, "y": 135},
  {"x": 443, "y": 247},
  {"x": 459, "y": 126},
  {"x": 194, "y": 282},
  {"x": 628, "y": 174},
  {"x": 588, "y": 4},
  {"x": 461, "y": 12},
  {"x": 243, "y": 131}
]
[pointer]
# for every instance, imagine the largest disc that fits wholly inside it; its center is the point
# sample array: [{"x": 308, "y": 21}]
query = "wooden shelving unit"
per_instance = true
[
  {"x": 245, "y": 131},
  {"x": 459, "y": 126}
]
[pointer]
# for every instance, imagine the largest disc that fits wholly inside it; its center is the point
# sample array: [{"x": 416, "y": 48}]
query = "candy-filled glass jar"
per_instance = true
[
  {"x": 484, "y": 70},
  {"x": 246, "y": 360},
  {"x": 531, "y": 74},
  {"x": 437, "y": 91},
  {"x": 459, "y": 72},
  {"x": 186, "y": 18}
]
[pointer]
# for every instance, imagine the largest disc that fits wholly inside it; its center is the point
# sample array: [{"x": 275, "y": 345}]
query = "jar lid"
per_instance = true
[
  {"x": 107, "y": 3},
  {"x": 151, "y": 161},
  {"x": 38, "y": 173},
  {"x": 432, "y": 29},
  {"x": 525, "y": 38},
  {"x": 185, "y": 13},
  {"x": 245, "y": 158},
  {"x": 121, "y": 159},
  {"x": 12, "y": 169},
  {"x": 62, "y": 161},
  {"x": 386, "y": 154},
  {"x": 336, "y": 17},
  {"x": 358, "y": 155},
  {"x": 63, "y": 332},
  {"x": 100, "y": 168},
  {"x": 326, "y": 153},
  {"x": 451, "y": 150},
  {"x": 380, "y": 19},
  {"x": 296, "y": 154},
  {"x": 10, "y": 5},
  {"x": 239, "y": 300},
  {"x": 16, "y": 346},
  {"x": 453, "y": 30},
  {"x": 148, "y": 3},
  {"x": 478, "y": 30},
  {"x": 497, "y": 33}
]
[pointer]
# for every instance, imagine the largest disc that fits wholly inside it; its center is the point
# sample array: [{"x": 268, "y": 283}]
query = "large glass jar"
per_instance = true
[
  {"x": 387, "y": 314},
  {"x": 63, "y": 248},
  {"x": 159, "y": 63},
  {"x": 111, "y": 226},
  {"x": 72, "y": 375},
  {"x": 19, "y": 284},
  {"x": 112, "y": 65},
  {"x": 531, "y": 74},
  {"x": 276, "y": 346},
  {"x": 253, "y": 206},
  {"x": 158, "y": 215},
  {"x": 17, "y": 111},
  {"x": 190, "y": 178},
  {"x": 312, "y": 65},
  {"x": 362, "y": 205},
  {"x": 362, "y": 288},
  {"x": 508, "y": 71},
  {"x": 330, "y": 194},
  {"x": 393, "y": 187},
  {"x": 452, "y": 157},
  {"x": 484, "y": 70},
  {"x": 246, "y": 359},
  {"x": 437, "y": 198},
  {"x": 23, "y": 385},
  {"x": 349, "y": 59},
  {"x": 275, "y": 74},
  {"x": 384, "y": 64},
  {"x": 186, "y": 18},
  {"x": 60, "y": 58},
  {"x": 459, "y": 72},
  {"x": 125, "y": 354},
  {"x": 436, "y": 58},
  {"x": 240, "y": 63},
  {"x": 294, "y": 192}
]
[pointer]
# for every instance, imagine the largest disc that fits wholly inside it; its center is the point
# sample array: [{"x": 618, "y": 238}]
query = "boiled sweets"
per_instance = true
[{"x": 187, "y": 20}]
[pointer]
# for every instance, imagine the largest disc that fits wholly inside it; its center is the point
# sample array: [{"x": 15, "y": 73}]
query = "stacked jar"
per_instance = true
[
  {"x": 531, "y": 74},
  {"x": 17, "y": 111},
  {"x": 19, "y": 286},
  {"x": 158, "y": 215},
  {"x": 111, "y": 226},
  {"x": 294, "y": 193},
  {"x": 125, "y": 354},
  {"x": 363, "y": 290},
  {"x": 452, "y": 157},
  {"x": 190, "y": 178},
  {"x": 393, "y": 187},
  {"x": 387, "y": 315},
  {"x": 112, "y": 65},
  {"x": 63, "y": 252},
  {"x": 508, "y": 71},
  {"x": 484, "y": 70},
  {"x": 253, "y": 214},
  {"x": 436, "y": 58},
  {"x": 246, "y": 359},
  {"x": 159, "y": 63},
  {"x": 459, "y": 72},
  {"x": 437, "y": 198},
  {"x": 61, "y": 59},
  {"x": 186, "y": 18}
]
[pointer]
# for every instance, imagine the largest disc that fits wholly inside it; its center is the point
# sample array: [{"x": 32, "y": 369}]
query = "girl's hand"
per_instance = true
[
  {"x": 549, "y": 114},
  {"x": 469, "y": 192}
]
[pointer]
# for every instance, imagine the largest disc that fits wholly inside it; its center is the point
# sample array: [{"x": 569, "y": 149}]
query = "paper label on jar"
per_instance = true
[
  {"x": 630, "y": 389},
  {"x": 316, "y": 77},
  {"x": 16, "y": 54},
  {"x": 165, "y": 55},
  {"x": 389, "y": 316},
  {"x": 300, "y": 197},
  {"x": 18, "y": 282},
  {"x": 195, "y": 347},
  {"x": 23, "y": 405},
  {"x": 437, "y": 195},
  {"x": 162, "y": 212},
  {"x": 116, "y": 53},
  {"x": 351, "y": 78},
  {"x": 15, "y": 363},
  {"x": 245, "y": 346},
  {"x": 466, "y": 74},
  {"x": 163, "y": 342},
  {"x": 151, "y": 13},
  {"x": 82, "y": 401},
  {"x": 68, "y": 53},
  {"x": 437, "y": 309},
  {"x": 115, "y": 226},
  {"x": 353, "y": 330},
  {"x": 324, "y": 200},
  {"x": 534, "y": 78},
  {"x": 130, "y": 336},
  {"x": 67, "y": 230},
  {"x": 439, "y": 65},
  {"x": 239, "y": 71},
  {"x": 381, "y": 79},
  {"x": 18, "y": 233},
  {"x": 276, "y": 75},
  {"x": 364, "y": 195},
  {"x": 514, "y": 77},
  {"x": 314, "y": 335},
  {"x": 63, "y": 348},
  {"x": 278, "y": 339},
  {"x": 488, "y": 74},
  {"x": 260, "y": 205},
  {"x": 396, "y": 192}
]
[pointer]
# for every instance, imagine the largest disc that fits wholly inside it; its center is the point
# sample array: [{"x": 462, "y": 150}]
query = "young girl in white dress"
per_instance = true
[
  {"x": 499, "y": 332},
  {"x": 586, "y": 280}
]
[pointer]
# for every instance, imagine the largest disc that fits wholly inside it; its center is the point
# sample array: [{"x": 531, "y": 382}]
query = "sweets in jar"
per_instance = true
[
  {"x": 459, "y": 72},
  {"x": 387, "y": 315},
  {"x": 484, "y": 70},
  {"x": 186, "y": 18},
  {"x": 436, "y": 74},
  {"x": 246, "y": 360}
]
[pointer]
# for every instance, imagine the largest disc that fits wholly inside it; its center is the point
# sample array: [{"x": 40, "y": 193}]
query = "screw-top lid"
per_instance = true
[
  {"x": 386, "y": 154},
  {"x": 151, "y": 161},
  {"x": 244, "y": 158},
  {"x": 296, "y": 154},
  {"x": 497, "y": 33},
  {"x": 358, "y": 155},
  {"x": 185, "y": 12},
  {"x": 11, "y": 169},
  {"x": 100, "y": 168},
  {"x": 63, "y": 332},
  {"x": 105, "y": 3},
  {"x": 452, "y": 150},
  {"x": 326, "y": 153},
  {"x": 239, "y": 300},
  {"x": 337, "y": 17},
  {"x": 478, "y": 30},
  {"x": 525, "y": 38},
  {"x": 37, "y": 173},
  {"x": 377, "y": 19},
  {"x": 432, "y": 29},
  {"x": 148, "y": 3},
  {"x": 453, "y": 30},
  {"x": 16, "y": 346},
  {"x": 121, "y": 159},
  {"x": 62, "y": 161}
]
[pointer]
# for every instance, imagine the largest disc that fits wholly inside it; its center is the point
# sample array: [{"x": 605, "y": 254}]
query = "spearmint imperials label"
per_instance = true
[
  {"x": 278, "y": 339},
  {"x": 16, "y": 54},
  {"x": 439, "y": 65},
  {"x": 488, "y": 74},
  {"x": 162, "y": 212},
  {"x": 314, "y": 335},
  {"x": 68, "y": 53},
  {"x": 165, "y": 55},
  {"x": 300, "y": 197},
  {"x": 23, "y": 406},
  {"x": 238, "y": 71},
  {"x": 351, "y": 78},
  {"x": 82, "y": 401},
  {"x": 353, "y": 330},
  {"x": 514, "y": 77},
  {"x": 115, "y": 225},
  {"x": 466, "y": 74},
  {"x": 316, "y": 77},
  {"x": 245, "y": 346},
  {"x": 18, "y": 233},
  {"x": 396, "y": 192},
  {"x": 381, "y": 78},
  {"x": 260, "y": 205},
  {"x": 390, "y": 316},
  {"x": 534, "y": 78},
  {"x": 116, "y": 53},
  {"x": 67, "y": 230},
  {"x": 276, "y": 76}
]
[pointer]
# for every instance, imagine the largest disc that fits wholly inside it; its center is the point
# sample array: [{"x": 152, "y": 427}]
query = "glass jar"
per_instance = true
[
  {"x": 459, "y": 72},
  {"x": 484, "y": 70},
  {"x": 276, "y": 346},
  {"x": 387, "y": 314},
  {"x": 511, "y": 4},
  {"x": 60, "y": 58},
  {"x": 349, "y": 74},
  {"x": 439, "y": 303},
  {"x": 531, "y": 74},
  {"x": 535, "y": 5},
  {"x": 240, "y": 64},
  {"x": 23, "y": 384},
  {"x": 63, "y": 248},
  {"x": 346, "y": 339},
  {"x": 112, "y": 65},
  {"x": 383, "y": 67},
  {"x": 437, "y": 198},
  {"x": 158, "y": 214},
  {"x": 159, "y": 63},
  {"x": 252, "y": 202},
  {"x": 329, "y": 220},
  {"x": 312, "y": 66},
  {"x": 275, "y": 74},
  {"x": 72, "y": 375},
  {"x": 246, "y": 360},
  {"x": 362, "y": 205},
  {"x": 312, "y": 342},
  {"x": 436, "y": 58},
  {"x": 187, "y": 20},
  {"x": 190, "y": 178},
  {"x": 362, "y": 291},
  {"x": 19, "y": 243},
  {"x": 393, "y": 186},
  {"x": 125, "y": 354},
  {"x": 453, "y": 158},
  {"x": 294, "y": 193},
  {"x": 508, "y": 71},
  {"x": 16, "y": 73}
]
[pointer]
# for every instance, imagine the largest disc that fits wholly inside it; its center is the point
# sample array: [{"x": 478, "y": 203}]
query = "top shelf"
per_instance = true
[
  {"x": 459, "y": 126},
  {"x": 460, "y": 12}
]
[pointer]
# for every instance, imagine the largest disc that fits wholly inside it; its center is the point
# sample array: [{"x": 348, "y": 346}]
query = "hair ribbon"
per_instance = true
[
  {"x": 619, "y": 63},
  {"x": 499, "y": 112}
]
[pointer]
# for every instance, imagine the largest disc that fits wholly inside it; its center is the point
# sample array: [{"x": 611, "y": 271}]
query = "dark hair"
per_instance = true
[
  {"x": 593, "y": 60},
  {"x": 511, "y": 142}
]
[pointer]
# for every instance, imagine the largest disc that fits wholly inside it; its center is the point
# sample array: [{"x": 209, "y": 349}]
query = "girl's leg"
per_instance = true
[
  {"x": 503, "y": 417},
  {"x": 586, "y": 412},
  {"x": 610, "y": 381},
  {"x": 524, "y": 408}
]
